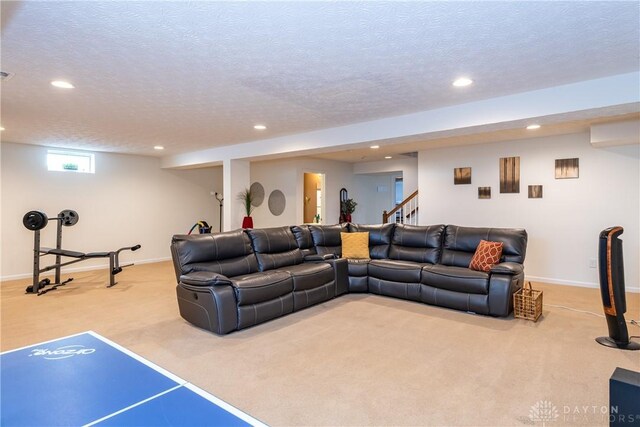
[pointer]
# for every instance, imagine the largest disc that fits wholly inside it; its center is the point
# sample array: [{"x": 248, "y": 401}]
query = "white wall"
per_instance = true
[
  {"x": 129, "y": 200},
  {"x": 287, "y": 175},
  {"x": 374, "y": 193},
  {"x": 564, "y": 225},
  {"x": 408, "y": 167},
  {"x": 236, "y": 180}
]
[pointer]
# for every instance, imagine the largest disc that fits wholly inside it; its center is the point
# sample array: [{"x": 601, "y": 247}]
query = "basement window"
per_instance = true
[{"x": 70, "y": 161}]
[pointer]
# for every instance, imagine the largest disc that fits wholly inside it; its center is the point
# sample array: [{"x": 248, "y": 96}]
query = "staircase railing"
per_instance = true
[{"x": 404, "y": 213}]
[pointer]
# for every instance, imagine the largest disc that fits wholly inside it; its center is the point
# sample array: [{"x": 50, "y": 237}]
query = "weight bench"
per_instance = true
[{"x": 36, "y": 221}]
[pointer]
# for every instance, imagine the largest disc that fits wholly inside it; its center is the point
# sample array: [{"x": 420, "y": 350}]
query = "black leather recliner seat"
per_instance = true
[
  {"x": 234, "y": 280},
  {"x": 411, "y": 249},
  {"x": 277, "y": 251},
  {"x": 221, "y": 287},
  {"x": 452, "y": 284}
]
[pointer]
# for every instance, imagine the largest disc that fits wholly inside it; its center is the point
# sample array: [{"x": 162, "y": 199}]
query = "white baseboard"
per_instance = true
[
  {"x": 79, "y": 269},
  {"x": 633, "y": 289}
]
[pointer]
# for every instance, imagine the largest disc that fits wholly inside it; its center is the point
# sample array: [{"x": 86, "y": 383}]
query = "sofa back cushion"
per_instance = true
[
  {"x": 303, "y": 238},
  {"x": 274, "y": 247},
  {"x": 228, "y": 253},
  {"x": 417, "y": 243},
  {"x": 460, "y": 244},
  {"x": 379, "y": 238},
  {"x": 326, "y": 238}
]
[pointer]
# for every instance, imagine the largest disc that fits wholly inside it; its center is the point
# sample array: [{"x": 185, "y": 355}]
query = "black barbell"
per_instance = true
[{"x": 36, "y": 220}]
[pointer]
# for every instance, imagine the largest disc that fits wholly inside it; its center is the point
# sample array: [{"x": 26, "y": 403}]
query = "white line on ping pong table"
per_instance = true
[{"x": 131, "y": 406}]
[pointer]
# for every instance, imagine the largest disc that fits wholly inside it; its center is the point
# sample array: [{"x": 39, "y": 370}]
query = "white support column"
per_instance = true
[{"x": 237, "y": 177}]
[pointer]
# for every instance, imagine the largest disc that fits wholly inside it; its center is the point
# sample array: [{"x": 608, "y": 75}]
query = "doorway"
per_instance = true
[{"x": 313, "y": 198}]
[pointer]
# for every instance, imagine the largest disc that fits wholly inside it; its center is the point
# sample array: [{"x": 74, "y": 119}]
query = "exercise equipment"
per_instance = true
[
  {"x": 36, "y": 221},
  {"x": 611, "y": 263},
  {"x": 203, "y": 227}
]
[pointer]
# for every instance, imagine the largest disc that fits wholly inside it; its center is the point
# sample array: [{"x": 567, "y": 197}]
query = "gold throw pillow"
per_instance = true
[{"x": 355, "y": 245}]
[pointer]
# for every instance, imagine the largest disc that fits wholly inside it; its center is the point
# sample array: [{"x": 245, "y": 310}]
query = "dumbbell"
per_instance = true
[{"x": 36, "y": 220}]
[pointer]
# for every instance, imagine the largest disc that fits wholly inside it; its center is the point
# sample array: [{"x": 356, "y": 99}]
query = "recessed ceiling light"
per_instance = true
[
  {"x": 259, "y": 127},
  {"x": 533, "y": 127},
  {"x": 462, "y": 81},
  {"x": 62, "y": 84},
  {"x": 375, "y": 147},
  {"x": 388, "y": 157},
  {"x": 158, "y": 147},
  {"x": 1, "y": 128}
]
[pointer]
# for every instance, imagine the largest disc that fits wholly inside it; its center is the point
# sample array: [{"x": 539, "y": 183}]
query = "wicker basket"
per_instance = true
[{"x": 527, "y": 303}]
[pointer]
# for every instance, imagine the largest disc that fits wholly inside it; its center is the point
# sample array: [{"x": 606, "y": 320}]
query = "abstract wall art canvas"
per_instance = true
[
  {"x": 484, "y": 192},
  {"x": 510, "y": 175},
  {"x": 461, "y": 176},
  {"x": 567, "y": 168},
  {"x": 535, "y": 191}
]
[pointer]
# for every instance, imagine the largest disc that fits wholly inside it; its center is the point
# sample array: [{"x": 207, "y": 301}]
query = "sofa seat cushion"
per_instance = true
[
  {"x": 458, "y": 279},
  {"x": 309, "y": 275},
  {"x": 396, "y": 271},
  {"x": 358, "y": 267},
  {"x": 260, "y": 287}
]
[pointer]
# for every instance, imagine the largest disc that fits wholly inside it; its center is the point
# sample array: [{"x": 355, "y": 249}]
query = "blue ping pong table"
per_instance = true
[{"x": 86, "y": 379}]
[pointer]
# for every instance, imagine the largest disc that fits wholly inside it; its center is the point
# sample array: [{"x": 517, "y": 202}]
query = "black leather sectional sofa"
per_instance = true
[{"x": 234, "y": 280}]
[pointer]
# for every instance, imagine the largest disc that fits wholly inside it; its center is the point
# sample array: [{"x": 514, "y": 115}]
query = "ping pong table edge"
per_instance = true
[{"x": 217, "y": 401}]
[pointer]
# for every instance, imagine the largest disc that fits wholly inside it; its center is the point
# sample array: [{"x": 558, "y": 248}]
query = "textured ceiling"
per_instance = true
[
  {"x": 194, "y": 75},
  {"x": 512, "y": 131}
]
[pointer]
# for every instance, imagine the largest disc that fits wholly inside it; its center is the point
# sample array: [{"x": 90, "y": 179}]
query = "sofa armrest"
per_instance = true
[
  {"x": 512, "y": 268},
  {"x": 501, "y": 290},
  {"x": 318, "y": 257},
  {"x": 204, "y": 278}
]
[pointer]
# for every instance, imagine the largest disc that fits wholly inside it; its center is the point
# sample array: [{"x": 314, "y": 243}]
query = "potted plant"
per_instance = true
[
  {"x": 246, "y": 198},
  {"x": 347, "y": 207}
]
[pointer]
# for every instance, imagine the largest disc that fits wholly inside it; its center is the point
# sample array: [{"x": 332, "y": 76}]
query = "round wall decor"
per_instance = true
[
  {"x": 277, "y": 202},
  {"x": 257, "y": 191}
]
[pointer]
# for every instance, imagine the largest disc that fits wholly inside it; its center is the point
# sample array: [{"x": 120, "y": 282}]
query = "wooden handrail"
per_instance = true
[{"x": 386, "y": 215}]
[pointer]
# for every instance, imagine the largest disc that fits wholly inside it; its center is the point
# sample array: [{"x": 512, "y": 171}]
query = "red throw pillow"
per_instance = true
[{"x": 487, "y": 255}]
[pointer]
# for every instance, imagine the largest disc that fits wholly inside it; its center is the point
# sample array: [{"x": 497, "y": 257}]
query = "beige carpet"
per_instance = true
[{"x": 356, "y": 360}]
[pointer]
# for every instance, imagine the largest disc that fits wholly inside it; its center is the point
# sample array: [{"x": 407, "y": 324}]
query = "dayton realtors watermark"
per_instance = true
[{"x": 545, "y": 412}]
